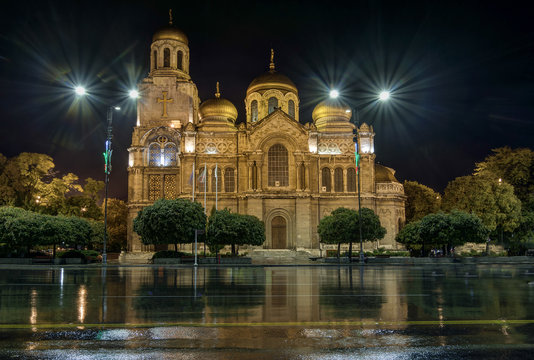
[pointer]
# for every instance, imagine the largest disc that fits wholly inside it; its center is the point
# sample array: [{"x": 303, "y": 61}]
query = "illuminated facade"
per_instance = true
[{"x": 268, "y": 164}]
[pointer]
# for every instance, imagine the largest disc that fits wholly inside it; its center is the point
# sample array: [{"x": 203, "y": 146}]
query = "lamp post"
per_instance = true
[
  {"x": 134, "y": 94},
  {"x": 383, "y": 96}
]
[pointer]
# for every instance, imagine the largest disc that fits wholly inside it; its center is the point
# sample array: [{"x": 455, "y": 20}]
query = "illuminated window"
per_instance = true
[
  {"x": 351, "y": 179},
  {"x": 169, "y": 155},
  {"x": 229, "y": 180},
  {"x": 273, "y": 103},
  {"x": 216, "y": 181},
  {"x": 254, "y": 110},
  {"x": 166, "y": 58},
  {"x": 154, "y": 155},
  {"x": 278, "y": 166},
  {"x": 180, "y": 59},
  {"x": 155, "y": 59},
  {"x": 338, "y": 180},
  {"x": 154, "y": 187},
  {"x": 326, "y": 179},
  {"x": 291, "y": 108}
]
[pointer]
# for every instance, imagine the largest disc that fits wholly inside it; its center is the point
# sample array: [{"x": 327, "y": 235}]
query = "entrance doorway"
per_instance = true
[{"x": 279, "y": 232}]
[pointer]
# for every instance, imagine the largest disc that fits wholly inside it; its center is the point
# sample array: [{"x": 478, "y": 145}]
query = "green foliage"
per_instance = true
[
  {"x": 117, "y": 222},
  {"x": 443, "y": 230},
  {"x": 169, "y": 222},
  {"x": 421, "y": 201},
  {"x": 227, "y": 228},
  {"x": 514, "y": 166},
  {"x": 342, "y": 226},
  {"x": 409, "y": 236},
  {"x": 493, "y": 201}
]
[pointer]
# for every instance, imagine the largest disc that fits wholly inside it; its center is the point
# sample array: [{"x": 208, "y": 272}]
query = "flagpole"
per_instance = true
[
  {"x": 216, "y": 185},
  {"x": 205, "y": 188},
  {"x": 194, "y": 182}
]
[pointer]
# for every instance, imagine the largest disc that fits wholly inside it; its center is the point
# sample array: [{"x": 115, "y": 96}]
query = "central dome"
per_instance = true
[
  {"x": 272, "y": 80},
  {"x": 170, "y": 33},
  {"x": 218, "y": 107},
  {"x": 331, "y": 108}
]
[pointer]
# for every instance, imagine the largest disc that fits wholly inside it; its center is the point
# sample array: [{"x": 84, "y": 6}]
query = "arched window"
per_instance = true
[
  {"x": 169, "y": 155},
  {"x": 254, "y": 110},
  {"x": 155, "y": 59},
  {"x": 154, "y": 155},
  {"x": 229, "y": 180},
  {"x": 180, "y": 60},
  {"x": 351, "y": 179},
  {"x": 338, "y": 180},
  {"x": 273, "y": 103},
  {"x": 166, "y": 58},
  {"x": 216, "y": 180},
  {"x": 326, "y": 180},
  {"x": 291, "y": 108},
  {"x": 278, "y": 167}
]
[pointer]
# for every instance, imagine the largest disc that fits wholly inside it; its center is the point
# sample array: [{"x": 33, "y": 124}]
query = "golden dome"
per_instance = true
[
  {"x": 170, "y": 33},
  {"x": 272, "y": 80},
  {"x": 218, "y": 107},
  {"x": 331, "y": 108},
  {"x": 384, "y": 174}
]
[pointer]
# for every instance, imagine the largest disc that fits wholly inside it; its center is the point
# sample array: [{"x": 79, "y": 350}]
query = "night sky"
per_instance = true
[{"x": 461, "y": 73}]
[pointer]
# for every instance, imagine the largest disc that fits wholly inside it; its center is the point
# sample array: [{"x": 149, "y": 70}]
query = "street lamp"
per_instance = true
[
  {"x": 134, "y": 94},
  {"x": 383, "y": 96}
]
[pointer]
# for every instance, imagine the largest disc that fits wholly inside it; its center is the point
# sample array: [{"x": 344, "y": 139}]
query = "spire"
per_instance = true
[
  {"x": 170, "y": 16},
  {"x": 217, "y": 94},
  {"x": 271, "y": 65}
]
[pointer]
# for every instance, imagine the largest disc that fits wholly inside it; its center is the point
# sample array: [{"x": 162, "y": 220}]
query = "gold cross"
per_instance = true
[{"x": 164, "y": 101}]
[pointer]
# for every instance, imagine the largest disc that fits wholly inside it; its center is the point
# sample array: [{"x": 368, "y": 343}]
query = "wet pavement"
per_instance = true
[{"x": 299, "y": 312}]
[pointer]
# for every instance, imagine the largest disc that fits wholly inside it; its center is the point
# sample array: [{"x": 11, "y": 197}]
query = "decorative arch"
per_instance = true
[
  {"x": 326, "y": 179},
  {"x": 278, "y": 165},
  {"x": 155, "y": 59},
  {"x": 180, "y": 60},
  {"x": 272, "y": 104},
  {"x": 290, "y": 224},
  {"x": 166, "y": 57},
  {"x": 338, "y": 179},
  {"x": 291, "y": 108},
  {"x": 254, "y": 110}
]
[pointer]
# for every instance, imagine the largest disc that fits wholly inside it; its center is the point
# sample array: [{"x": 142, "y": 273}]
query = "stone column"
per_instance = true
[
  {"x": 222, "y": 181},
  {"x": 298, "y": 176},
  {"x": 249, "y": 175},
  {"x": 307, "y": 176},
  {"x": 344, "y": 180},
  {"x": 332, "y": 182}
]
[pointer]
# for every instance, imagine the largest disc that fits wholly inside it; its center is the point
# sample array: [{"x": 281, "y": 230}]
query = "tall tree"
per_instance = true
[
  {"x": 421, "y": 201},
  {"x": 514, "y": 166},
  {"x": 25, "y": 174},
  {"x": 117, "y": 221},
  {"x": 170, "y": 222},
  {"x": 491, "y": 200}
]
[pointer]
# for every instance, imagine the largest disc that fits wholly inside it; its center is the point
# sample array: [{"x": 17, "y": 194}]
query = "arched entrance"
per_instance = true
[{"x": 279, "y": 233}]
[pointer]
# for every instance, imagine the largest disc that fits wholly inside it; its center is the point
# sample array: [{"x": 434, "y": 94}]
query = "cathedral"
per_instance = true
[{"x": 287, "y": 171}]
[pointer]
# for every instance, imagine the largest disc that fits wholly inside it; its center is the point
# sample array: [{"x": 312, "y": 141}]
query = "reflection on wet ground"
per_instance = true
[{"x": 326, "y": 312}]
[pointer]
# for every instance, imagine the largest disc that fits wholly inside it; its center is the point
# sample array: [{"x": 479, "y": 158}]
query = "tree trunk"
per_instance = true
[
  {"x": 54, "y": 251},
  {"x": 175, "y": 247},
  {"x": 338, "y": 250},
  {"x": 350, "y": 251},
  {"x": 233, "y": 249}
]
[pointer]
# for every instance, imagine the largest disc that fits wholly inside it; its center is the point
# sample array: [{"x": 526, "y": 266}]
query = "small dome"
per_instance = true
[
  {"x": 218, "y": 107},
  {"x": 170, "y": 33},
  {"x": 272, "y": 80},
  {"x": 384, "y": 174},
  {"x": 331, "y": 108}
]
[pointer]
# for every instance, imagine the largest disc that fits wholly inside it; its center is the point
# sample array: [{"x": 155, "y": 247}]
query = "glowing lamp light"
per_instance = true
[
  {"x": 334, "y": 93},
  {"x": 79, "y": 90},
  {"x": 384, "y": 95},
  {"x": 117, "y": 107},
  {"x": 134, "y": 94}
]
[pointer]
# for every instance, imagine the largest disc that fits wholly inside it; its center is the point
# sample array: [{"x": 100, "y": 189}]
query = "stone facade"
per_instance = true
[{"x": 270, "y": 165}]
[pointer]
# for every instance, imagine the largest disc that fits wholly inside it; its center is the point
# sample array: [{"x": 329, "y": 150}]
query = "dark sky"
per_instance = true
[{"x": 461, "y": 73}]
